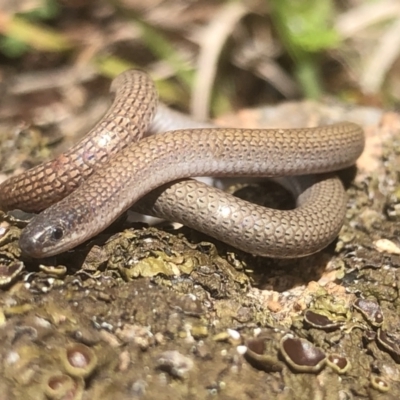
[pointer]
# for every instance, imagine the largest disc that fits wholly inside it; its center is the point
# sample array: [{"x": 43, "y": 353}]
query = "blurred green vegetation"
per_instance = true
[
  {"x": 24, "y": 32},
  {"x": 303, "y": 27},
  {"x": 306, "y": 30}
]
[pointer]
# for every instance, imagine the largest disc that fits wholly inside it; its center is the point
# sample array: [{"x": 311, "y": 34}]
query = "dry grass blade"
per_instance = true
[
  {"x": 213, "y": 38},
  {"x": 362, "y": 17},
  {"x": 64, "y": 77},
  {"x": 381, "y": 60}
]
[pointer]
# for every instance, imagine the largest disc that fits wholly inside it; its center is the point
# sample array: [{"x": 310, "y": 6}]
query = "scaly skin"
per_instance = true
[{"x": 107, "y": 180}]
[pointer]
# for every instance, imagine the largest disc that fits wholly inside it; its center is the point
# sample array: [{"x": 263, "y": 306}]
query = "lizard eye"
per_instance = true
[{"x": 57, "y": 233}]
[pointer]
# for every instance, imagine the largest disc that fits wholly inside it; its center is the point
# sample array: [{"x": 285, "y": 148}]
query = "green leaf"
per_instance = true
[
  {"x": 12, "y": 48},
  {"x": 305, "y": 25}
]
